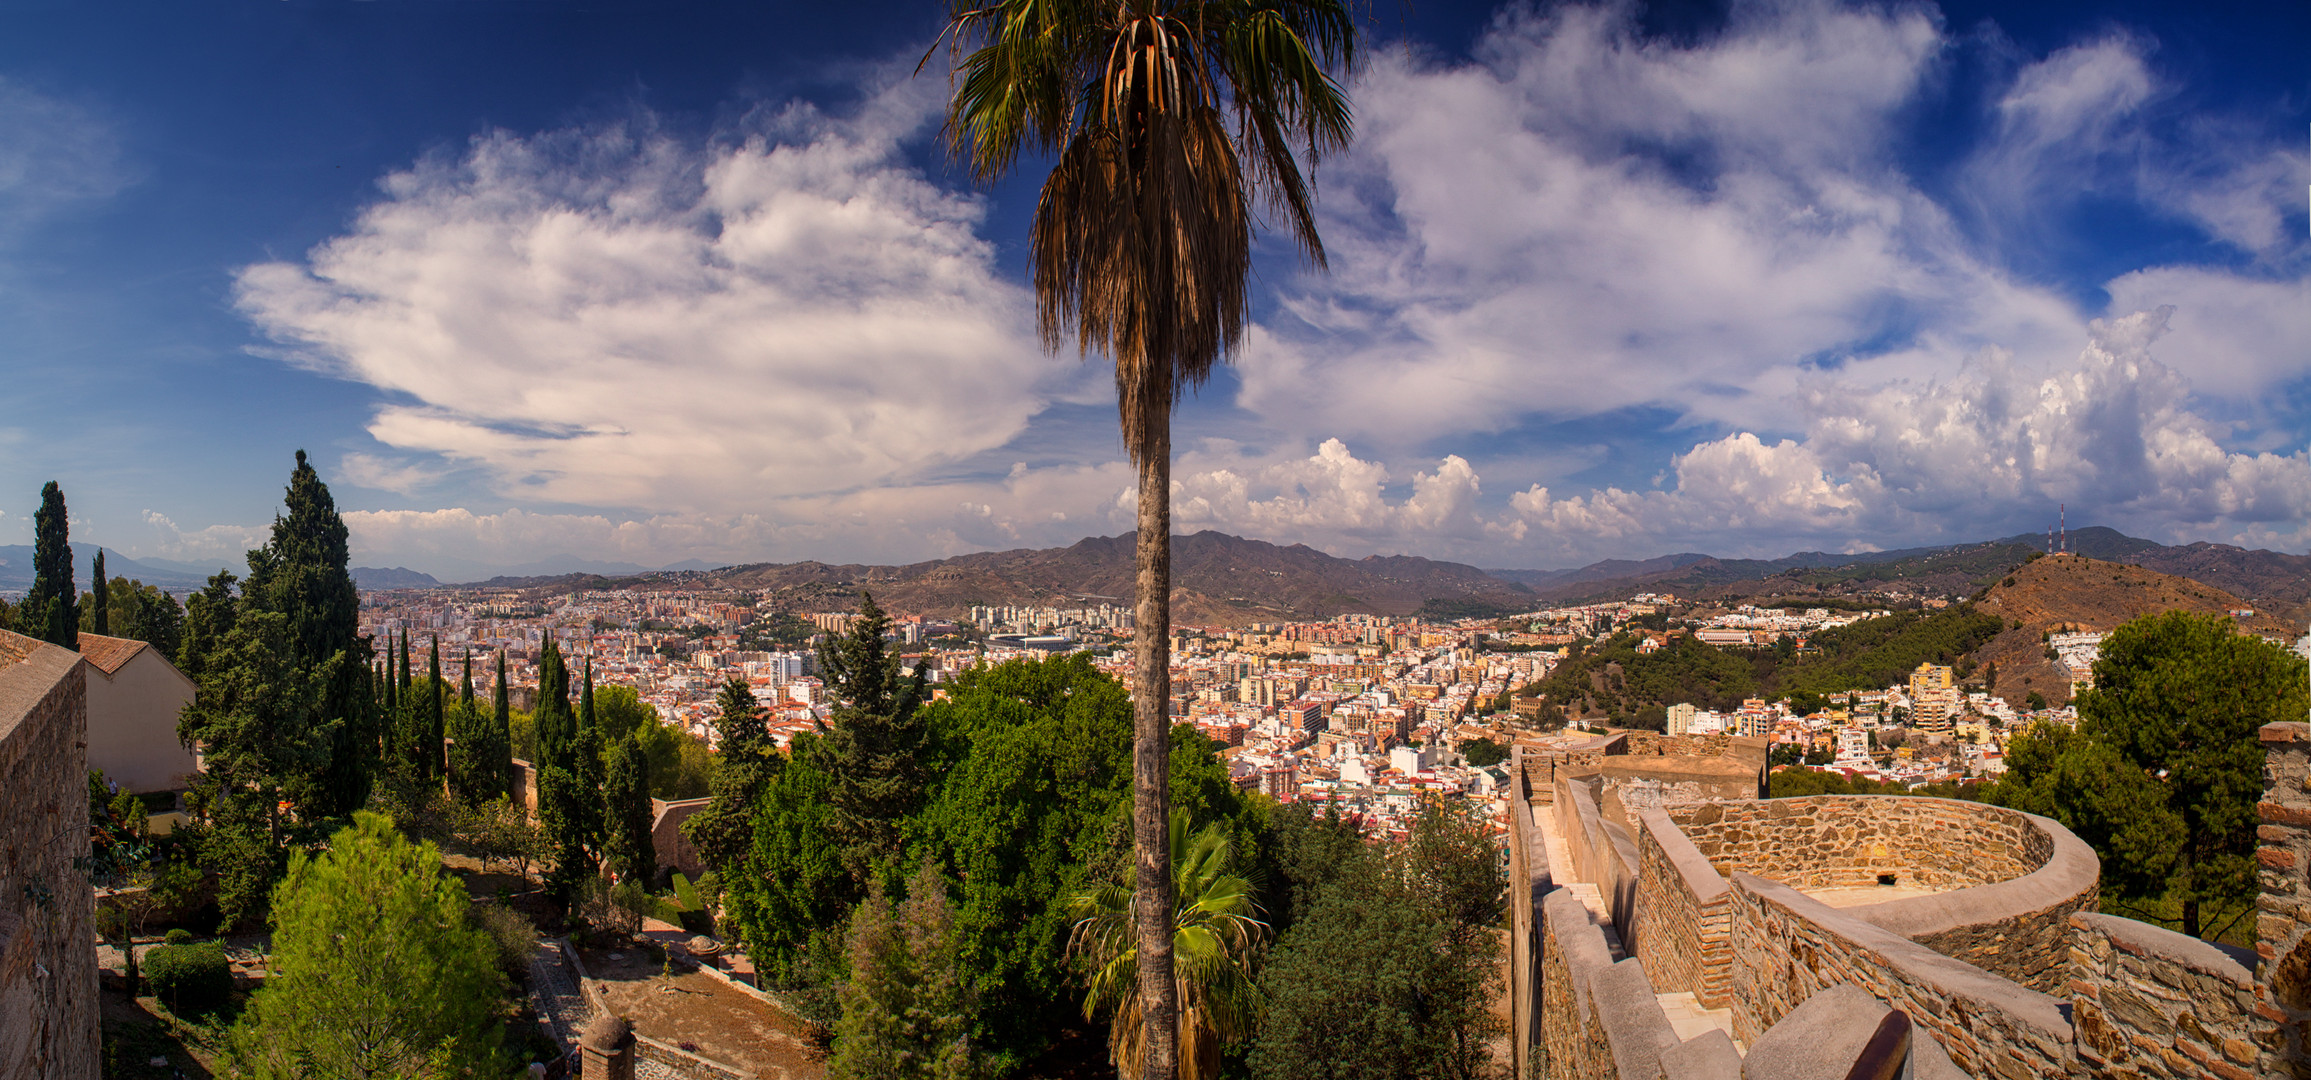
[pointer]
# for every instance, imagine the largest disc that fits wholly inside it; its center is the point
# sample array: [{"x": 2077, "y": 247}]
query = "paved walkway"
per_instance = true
[
  {"x": 554, "y": 992},
  {"x": 1865, "y": 895}
]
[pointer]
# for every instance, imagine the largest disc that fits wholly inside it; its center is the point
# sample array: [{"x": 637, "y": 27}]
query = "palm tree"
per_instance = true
[
  {"x": 1212, "y": 934},
  {"x": 1166, "y": 117}
]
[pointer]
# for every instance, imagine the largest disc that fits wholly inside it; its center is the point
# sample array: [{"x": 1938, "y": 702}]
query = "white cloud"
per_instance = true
[
  {"x": 53, "y": 153},
  {"x": 615, "y": 318},
  {"x": 1589, "y": 221},
  {"x": 1945, "y": 460},
  {"x": 227, "y": 542}
]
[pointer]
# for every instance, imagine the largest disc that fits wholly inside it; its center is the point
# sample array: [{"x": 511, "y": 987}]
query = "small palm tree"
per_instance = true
[
  {"x": 1213, "y": 933},
  {"x": 1166, "y": 116}
]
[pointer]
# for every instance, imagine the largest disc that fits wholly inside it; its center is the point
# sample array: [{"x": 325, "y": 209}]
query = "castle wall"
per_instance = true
[
  {"x": 1602, "y": 852},
  {"x": 2151, "y": 1002},
  {"x": 1684, "y": 936},
  {"x": 1791, "y": 946},
  {"x": 48, "y": 1002},
  {"x": 1529, "y": 883},
  {"x": 2283, "y": 911}
]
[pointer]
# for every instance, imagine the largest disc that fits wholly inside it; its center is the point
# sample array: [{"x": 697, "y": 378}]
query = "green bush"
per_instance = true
[
  {"x": 510, "y": 934},
  {"x": 178, "y": 936},
  {"x": 190, "y": 979}
]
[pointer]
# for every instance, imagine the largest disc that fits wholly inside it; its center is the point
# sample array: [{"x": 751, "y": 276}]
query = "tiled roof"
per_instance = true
[{"x": 108, "y": 653}]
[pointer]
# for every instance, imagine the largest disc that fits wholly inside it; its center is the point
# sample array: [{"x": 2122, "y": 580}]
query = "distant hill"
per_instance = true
[
  {"x": 16, "y": 569},
  {"x": 2075, "y": 592},
  {"x": 398, "y": 577},
  {"x": 2270, "y": 581},
  {"x": 1217, "y": 579}
]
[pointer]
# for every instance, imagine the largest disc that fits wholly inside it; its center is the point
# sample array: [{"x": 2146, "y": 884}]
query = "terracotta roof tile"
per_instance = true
[{"x": 108, "y": 653}]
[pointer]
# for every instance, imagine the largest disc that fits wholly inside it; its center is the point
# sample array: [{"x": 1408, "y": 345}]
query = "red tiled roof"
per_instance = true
[{"x": 107, "y": 654}]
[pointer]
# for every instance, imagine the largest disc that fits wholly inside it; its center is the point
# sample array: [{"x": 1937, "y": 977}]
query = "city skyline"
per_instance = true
[{"x": 530, "y": 281}]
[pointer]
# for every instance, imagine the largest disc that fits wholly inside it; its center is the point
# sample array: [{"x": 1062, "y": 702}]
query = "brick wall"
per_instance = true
[
  {"x": 48, "y": 1005},
  {"x": 2151, "y": 1002},
  {"x": 1683, "y": 933}
]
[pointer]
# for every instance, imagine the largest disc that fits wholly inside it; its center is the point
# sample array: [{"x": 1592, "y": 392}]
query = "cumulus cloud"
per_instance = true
[
  {"x": 1331, "y": 498},
  {"x": 1588, "y": 220},
  {"x": 1952, "y": 459},
  {"x": 227, "y": 542},
  {"x": 618, "y": 318}
]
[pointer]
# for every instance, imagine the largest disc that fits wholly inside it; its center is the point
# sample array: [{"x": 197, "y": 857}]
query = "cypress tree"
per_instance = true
[
  {"x": 302, "y": 573},
  {"x": 430, "y": 751},
  {"x": 556, "y": 727},
  {"x": 465, "y": 684},
  {"x": 502, "y": 716},
  {"x": 586, "y": 699},
  {"x": 100, "y": 599},
  {"x": 51, "y": 611},
  {"x": 627, "y": 846}
]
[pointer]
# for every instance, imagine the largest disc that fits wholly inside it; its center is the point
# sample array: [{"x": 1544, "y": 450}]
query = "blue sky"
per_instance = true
[{"x": 648, "y": 282}]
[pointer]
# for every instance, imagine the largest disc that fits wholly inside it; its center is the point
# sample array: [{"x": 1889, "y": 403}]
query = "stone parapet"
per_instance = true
[
  {"x": 2151, "y": 1002},
  {"x": 1683, "y": 934},
  {"x": 1792, "y": 946},
  {"x": 2283, "y": 908},
  {"x": 1602, "y": 852}
]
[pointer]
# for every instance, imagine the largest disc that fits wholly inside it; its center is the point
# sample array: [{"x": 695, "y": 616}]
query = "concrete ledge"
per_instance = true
[
  {"x": 1819, "y": 1039},
  {"x": 1636, "y": 1030},
  {"x": 2160, "y": 943},
  {"x": 1707, "y": 1056}
]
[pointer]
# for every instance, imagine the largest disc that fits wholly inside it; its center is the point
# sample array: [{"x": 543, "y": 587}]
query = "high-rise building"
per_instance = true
[
  {"x": 1681, "y": 718},
  {"x": 1933, "y": 700}
]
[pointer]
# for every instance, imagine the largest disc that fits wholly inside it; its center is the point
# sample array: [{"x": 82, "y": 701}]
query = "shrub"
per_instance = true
[
  {"x": 190, "y": 979},
  {"x": 178, "y": 936},
  {"x": 510, "y": 933}
]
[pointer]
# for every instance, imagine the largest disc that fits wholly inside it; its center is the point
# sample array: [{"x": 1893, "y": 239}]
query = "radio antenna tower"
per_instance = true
[{"x": 2064, "y": 511}]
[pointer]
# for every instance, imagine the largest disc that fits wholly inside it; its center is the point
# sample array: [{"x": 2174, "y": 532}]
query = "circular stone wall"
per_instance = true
[
  {"x": 1852, "y": 841},
  {"x": 2006, "y": 881}
]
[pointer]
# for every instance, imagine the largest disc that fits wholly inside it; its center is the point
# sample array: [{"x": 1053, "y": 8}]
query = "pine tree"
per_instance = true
[
  {"x": 51, "y": 611},
  {"x": 358, "y": 932},
  {"x": 100, "y": 598},
  {"x": 875, "y": 742},
  {"x": 907, "y": 1009},
  {"x": 723, "y": 832},
  {"x": 627, "y": 848}
]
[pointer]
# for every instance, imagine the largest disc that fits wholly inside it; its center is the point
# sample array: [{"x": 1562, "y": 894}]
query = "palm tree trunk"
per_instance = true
[{"x": 1151, "y": 756}]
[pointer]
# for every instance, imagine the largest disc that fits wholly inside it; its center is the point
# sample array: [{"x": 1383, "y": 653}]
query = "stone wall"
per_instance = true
[
  {"x": 1790, "y": 946},
  {"x": 48, "y": 988},
  {"x": 673, "y": 847},
  {"x": 1602, "y": 852},
  {"x": 2151, "y": 1002},
  {"x": 1682, "y": 933},
  {"x": 1529, "y": 883},
  {"x": 1848, "y": 841},
  {"x": 2283, "y": 915}
]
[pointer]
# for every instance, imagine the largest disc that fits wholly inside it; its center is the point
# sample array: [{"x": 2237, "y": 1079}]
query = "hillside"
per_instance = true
[
  {"x": 1217, "y": 579},
  {"x": 2075, "y": 592}
]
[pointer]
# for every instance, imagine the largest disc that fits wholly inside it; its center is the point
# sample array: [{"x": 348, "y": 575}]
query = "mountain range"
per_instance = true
[{"x": 1223, "y": 579}]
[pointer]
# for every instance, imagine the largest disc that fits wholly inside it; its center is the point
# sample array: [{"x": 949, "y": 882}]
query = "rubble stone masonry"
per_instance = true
[
  {"x": 48, "y": 1005},
  {"x": 2283, "y": 915}
]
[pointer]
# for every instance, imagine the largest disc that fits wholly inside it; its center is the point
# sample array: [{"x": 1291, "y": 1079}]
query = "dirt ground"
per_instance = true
[
  {"x": 139, "y": 1031},
  {"x": 714, "y": 1019}
]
